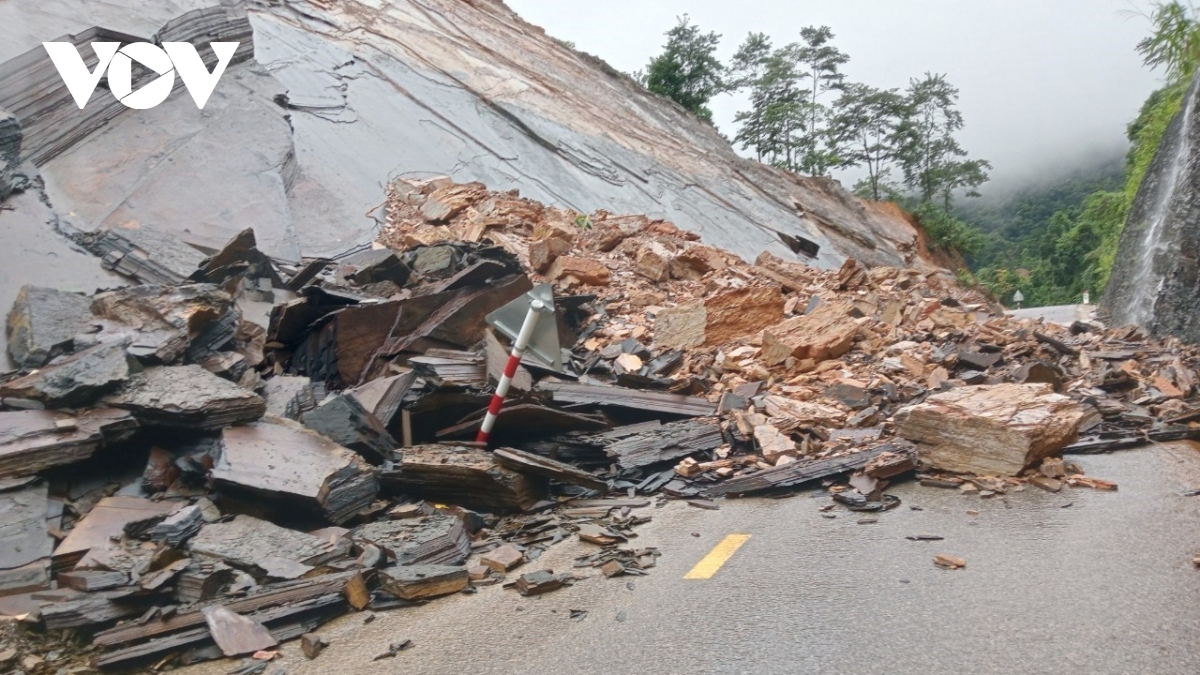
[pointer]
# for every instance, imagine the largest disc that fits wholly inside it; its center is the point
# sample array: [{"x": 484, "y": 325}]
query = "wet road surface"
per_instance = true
[
  {"x": 1075, "y": 582},
  {"x": 1063, "y": 315}
]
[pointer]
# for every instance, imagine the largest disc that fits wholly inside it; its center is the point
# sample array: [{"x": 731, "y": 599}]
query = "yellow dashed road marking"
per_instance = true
[{"x": 721, "y": 554}]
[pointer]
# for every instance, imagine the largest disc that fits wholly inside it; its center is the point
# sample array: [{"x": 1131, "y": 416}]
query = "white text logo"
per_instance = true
[{"x": 172, "y": 57}]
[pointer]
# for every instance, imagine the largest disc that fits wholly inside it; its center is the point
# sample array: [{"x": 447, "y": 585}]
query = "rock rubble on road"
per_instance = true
[{"x": 185, "y": 478}]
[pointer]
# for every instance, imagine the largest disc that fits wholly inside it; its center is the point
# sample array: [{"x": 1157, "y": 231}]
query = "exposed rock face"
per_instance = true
[
  {"x": 1156, "y": 274},
  {"x": 324, "y": 102}
]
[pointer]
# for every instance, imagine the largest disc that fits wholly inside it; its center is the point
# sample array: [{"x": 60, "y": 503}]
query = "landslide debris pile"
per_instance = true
[{"x": 231, "y": 451}]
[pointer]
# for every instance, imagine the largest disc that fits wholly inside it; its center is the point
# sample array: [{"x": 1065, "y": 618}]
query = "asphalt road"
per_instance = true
[
  {"x": 1061, "y": 314},
  {"x": 1075, "y": 582}
]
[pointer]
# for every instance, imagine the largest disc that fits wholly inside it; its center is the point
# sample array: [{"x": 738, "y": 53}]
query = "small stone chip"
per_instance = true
[{"x": 950, "y": 562}]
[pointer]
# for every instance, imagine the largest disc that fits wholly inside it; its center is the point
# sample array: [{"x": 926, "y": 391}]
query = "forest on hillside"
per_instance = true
[{"x": 1051, "y": 241}]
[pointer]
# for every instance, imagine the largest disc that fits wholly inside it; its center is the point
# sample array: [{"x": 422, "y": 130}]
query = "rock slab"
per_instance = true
[{"x": 991, "y": 429}]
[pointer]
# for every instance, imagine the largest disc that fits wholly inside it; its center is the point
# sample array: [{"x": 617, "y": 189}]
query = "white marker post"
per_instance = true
[{"x": 510, "y": 369}]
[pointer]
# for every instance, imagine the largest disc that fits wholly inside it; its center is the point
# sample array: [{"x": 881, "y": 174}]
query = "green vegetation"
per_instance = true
[
  {"x": 804, "y": 116},
  {"x": 687, "y": 71},
  {"x": 1060, "y": 241},
  {"x": 1052, "y": 242}
]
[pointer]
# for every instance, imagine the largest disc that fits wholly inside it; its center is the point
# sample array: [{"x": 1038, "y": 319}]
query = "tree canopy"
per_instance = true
[{"x": 687, "y": 71}]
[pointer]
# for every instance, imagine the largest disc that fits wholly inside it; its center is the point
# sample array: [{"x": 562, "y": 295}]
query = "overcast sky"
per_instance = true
[{"x": 1044, "y": 83}]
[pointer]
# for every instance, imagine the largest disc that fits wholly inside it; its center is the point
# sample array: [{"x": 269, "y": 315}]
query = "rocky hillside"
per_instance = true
[{"x": 325, "y": 103}]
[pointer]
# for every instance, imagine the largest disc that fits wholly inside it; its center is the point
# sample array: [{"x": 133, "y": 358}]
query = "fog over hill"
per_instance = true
[{"x": 1044, "y": 85}]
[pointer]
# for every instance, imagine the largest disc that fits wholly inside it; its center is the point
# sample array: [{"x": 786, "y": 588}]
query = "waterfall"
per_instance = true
[{"x": 1146, "y": 283}]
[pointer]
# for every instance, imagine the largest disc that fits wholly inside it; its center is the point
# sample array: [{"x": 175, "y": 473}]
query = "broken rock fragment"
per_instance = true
[
  {"x": 373, "y": 266},
  {"x": 460, "y": 475},
  {"x": 312, "y": 644},
  {"x": 503, "y": 558},
  {"x": 774, "y": 445},
  {"x": 537, "y": 583},
  {"x": 43, "y": 323},
  {"x": 289, "y": 396},
  {"x": 26, "y": 543},
  {"x": 790, "y": 414},
  {"x": 163, "y": 323},
  {"x": 583, "y": 270},
  {"x": 33, "y": 440},
  {"x": 993, "y": 430},
  {"x": 825, "y": 333},
  {"x": 187, "y": 397},
  {"x": 720, "y": 318},
  {"x": 73, "y": 380},
  {"x": 236, "y": 634},
  {"x": 258, "y": 545},
  {"x": 543, "y": 252},
  {"x": 294, "y": 468},
  {"x": 950, "y": 562},
  {"x": 144, "y": 254},
  {"x": 342, "y": 419},
  {"x": 105, "y": 521},
  {"x": 438, "y": 539},
  {"x": 414, "y": 582}
]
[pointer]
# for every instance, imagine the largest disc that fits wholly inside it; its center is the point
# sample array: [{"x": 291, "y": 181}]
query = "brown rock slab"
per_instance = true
[
  {"x": 993, "y": 430},
  {"x": 950, "y": 562},
  {"x": 33, "y": 440},
  {"x": 415, "y": 582},
  {"x": 503, "y": 558},
  {"x": 460, "y": 475},
  {"x": 741, "y": 312},
  {"x": 654, "y": 262},
  {"x": 682, "y": 326},
  {"x": 107, "y": 520},
  {"x": 165, "y": 323},
  {"x": 791, "y": 275},
  {"x": 543, "y": 252},
  {"x": 826, "y": 333},
  {"x": 537, "y": 583},
  {"x": 292, "y": 467},
  {"x": 590, "y": 272}
]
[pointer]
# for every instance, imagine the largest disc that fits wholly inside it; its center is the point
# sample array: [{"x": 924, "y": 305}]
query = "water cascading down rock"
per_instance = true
[{"x": 1156, "y": 274}]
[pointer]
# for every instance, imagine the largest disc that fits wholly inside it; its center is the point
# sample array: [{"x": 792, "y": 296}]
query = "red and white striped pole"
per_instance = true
[{"x": 510, "y": 369}]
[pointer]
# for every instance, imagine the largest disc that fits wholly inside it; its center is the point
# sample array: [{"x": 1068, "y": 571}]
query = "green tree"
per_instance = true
[
  {"x": 749, "y": 63},
  {"x": 947, "y": 232},
  {"x": 777, "y": 115},
  {"x": 1174, "y": 40},
  {"x": 864, "y": 130},
  {"x": 930, "y": 155},
  {"x": 687, "y": 71},
  {"x": 822, "y": 64}
]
